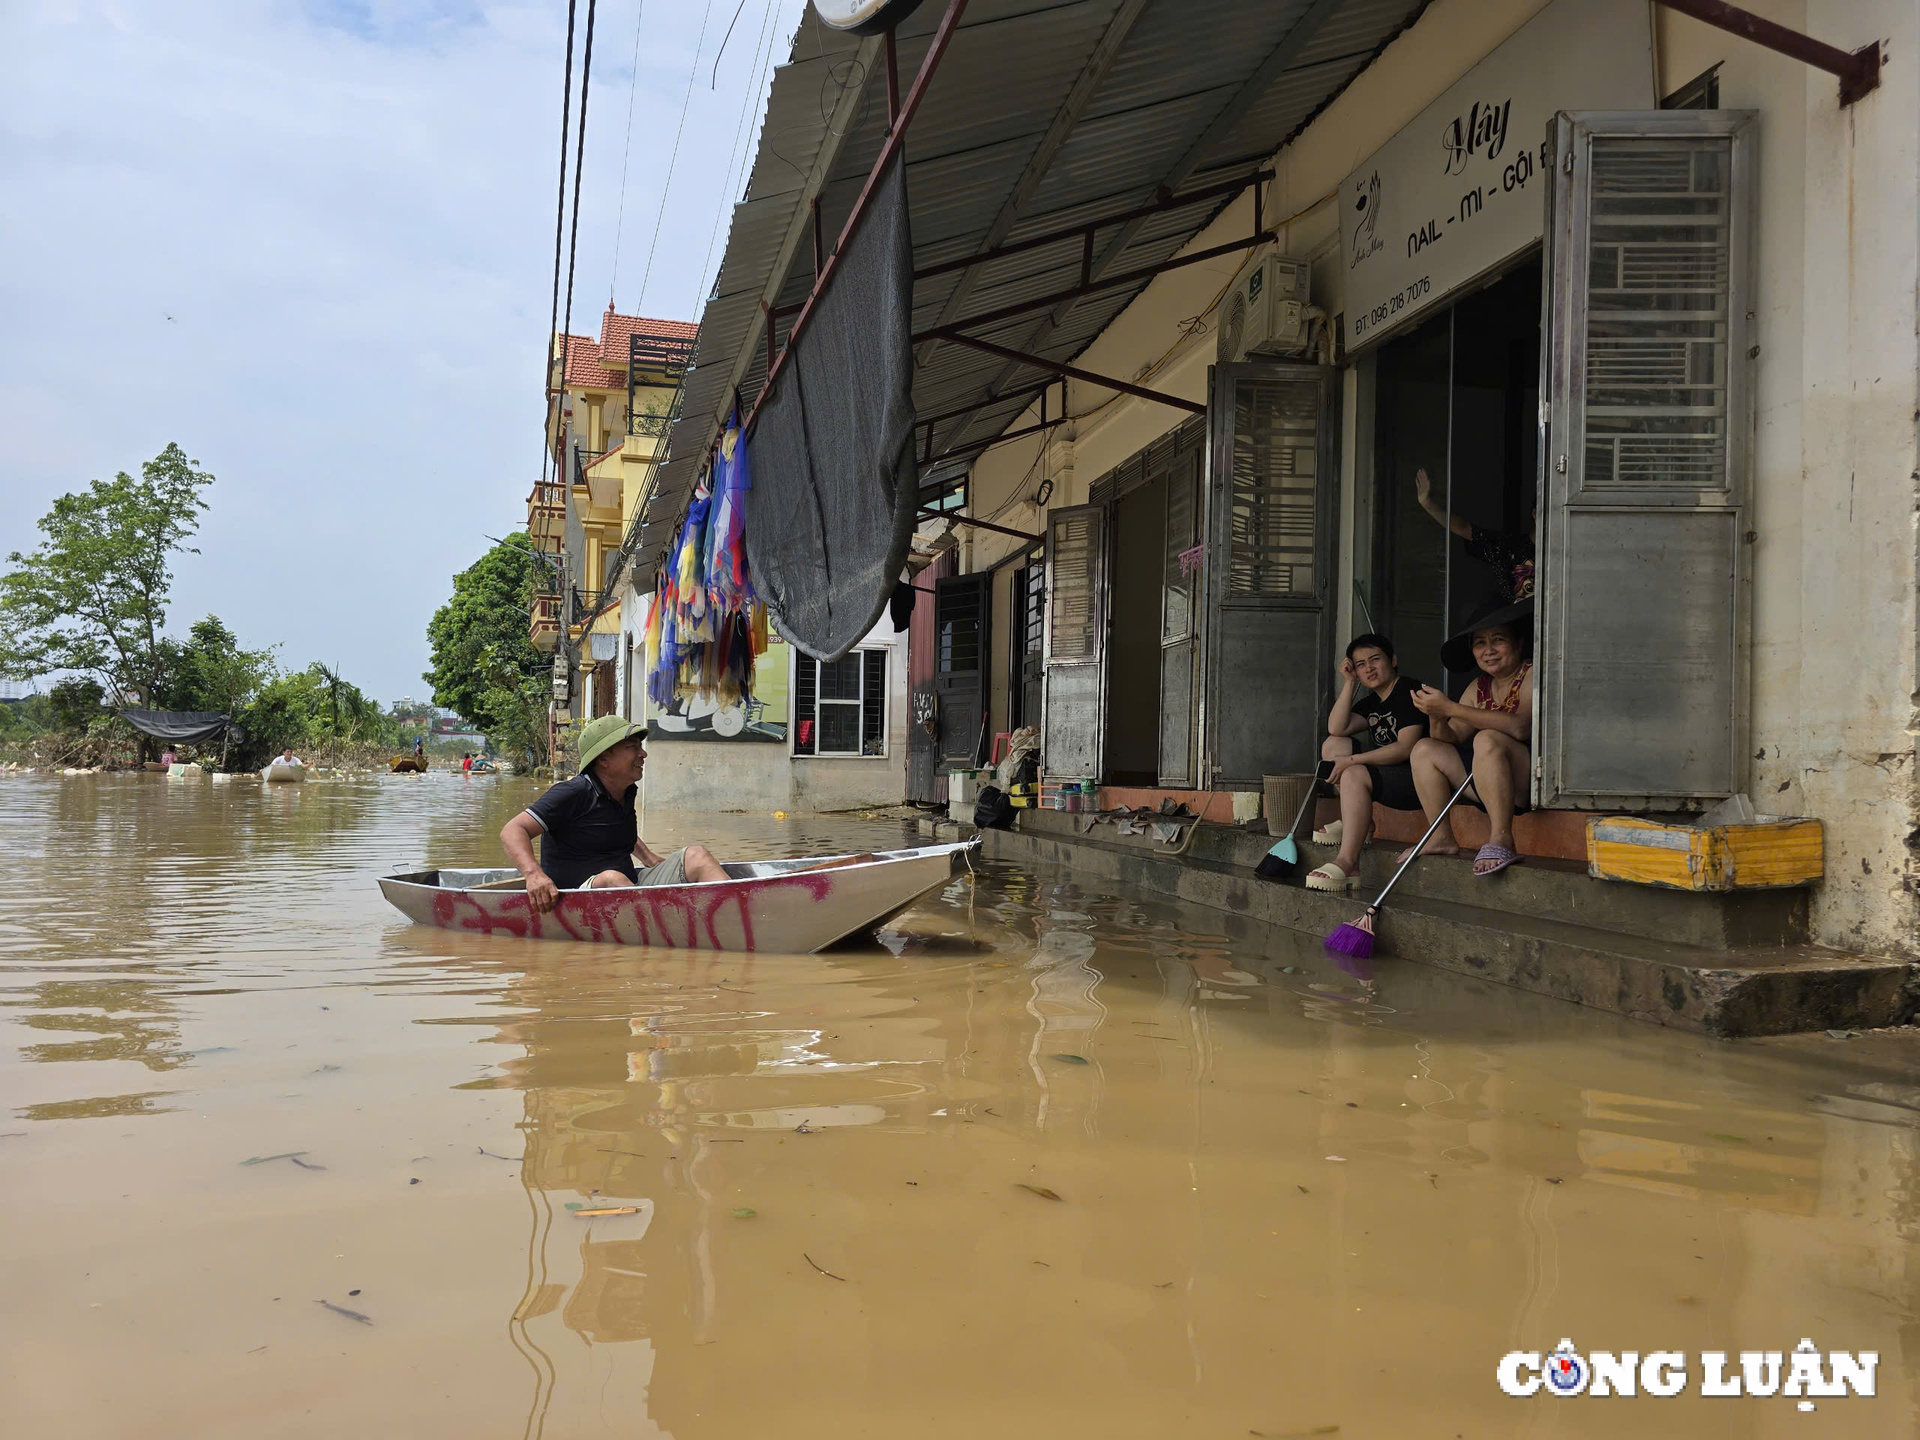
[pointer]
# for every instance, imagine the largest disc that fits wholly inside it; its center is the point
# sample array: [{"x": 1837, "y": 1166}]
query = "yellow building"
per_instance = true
[{"x": 606, "y": 426}]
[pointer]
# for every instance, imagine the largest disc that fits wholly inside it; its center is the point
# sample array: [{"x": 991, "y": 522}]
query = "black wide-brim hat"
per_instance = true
[{"x": 1457, "y": 653}]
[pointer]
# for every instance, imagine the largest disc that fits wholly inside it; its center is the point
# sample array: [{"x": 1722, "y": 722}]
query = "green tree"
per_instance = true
[
  {"x": 76, "y": 703},
  {"x": 212, "y": 672},
  {"x": 485, "y": 666},
  {"x": 92, "y": 597}
]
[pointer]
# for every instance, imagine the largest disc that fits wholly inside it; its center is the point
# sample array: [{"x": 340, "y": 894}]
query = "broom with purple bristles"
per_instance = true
[{"x": 1356, "y": 939}]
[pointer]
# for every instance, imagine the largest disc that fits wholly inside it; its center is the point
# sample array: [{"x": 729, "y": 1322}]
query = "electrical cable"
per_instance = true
[
  {"x": 714, "y": 84},
  {"x": 559, "y": 227},
  {"x": 735, "y": 165},
  {"x": 579, "y": 164},
  {"x": 626, "y": 153},
  {"x": 660, "y": 214}
]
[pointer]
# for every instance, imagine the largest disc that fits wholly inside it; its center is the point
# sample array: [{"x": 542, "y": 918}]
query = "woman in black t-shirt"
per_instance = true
[{"x": 1370, "y": 733}]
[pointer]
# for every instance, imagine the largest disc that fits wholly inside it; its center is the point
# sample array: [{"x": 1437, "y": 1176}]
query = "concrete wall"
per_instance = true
[
  {"x": 1836, "y": 479},
  {"x": 725, "y": 775}
]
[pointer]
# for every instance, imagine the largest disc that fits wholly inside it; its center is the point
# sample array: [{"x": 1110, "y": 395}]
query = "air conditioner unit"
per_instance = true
[{"x": 1264, "y": 311}]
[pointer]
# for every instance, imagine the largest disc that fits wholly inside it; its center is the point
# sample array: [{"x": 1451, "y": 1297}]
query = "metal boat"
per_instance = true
[
  {"x": 284, "y": 773},
  {"x": 784, "y": 906}
]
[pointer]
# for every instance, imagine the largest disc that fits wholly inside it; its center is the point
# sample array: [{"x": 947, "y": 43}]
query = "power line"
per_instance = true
[
  {"x": 559, "y": 225},
  {"x": 762, "y": 54},
  {"x": 633, "y": 87},
  {"x": 579, "y": 165},
  {"x": 693, "y": 71},
  {"x": 714, "y": 84}
]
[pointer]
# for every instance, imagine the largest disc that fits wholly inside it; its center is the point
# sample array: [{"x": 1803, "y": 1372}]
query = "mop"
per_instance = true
[
  {"x": 1278, "y": 863},
  {"x": 1356, "y": 939}
]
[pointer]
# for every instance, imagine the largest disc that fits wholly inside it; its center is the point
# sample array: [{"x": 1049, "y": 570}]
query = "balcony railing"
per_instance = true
[
  {"x": 544, "y": 628},
  {"x": 654, "y": 425}
]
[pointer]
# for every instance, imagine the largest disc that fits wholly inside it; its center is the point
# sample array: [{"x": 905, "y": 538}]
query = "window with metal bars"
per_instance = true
[{"x": 840, "y": 707}]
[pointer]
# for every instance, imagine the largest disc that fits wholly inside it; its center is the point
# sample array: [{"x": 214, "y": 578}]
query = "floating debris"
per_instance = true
[
  {"x": 1071, "y": 1059},
  {"x": 1040, "y": 1190},
  {"x": 293, "y": 1155},
  {"x": 342, "y": 1310},
  {"x": 512, "y": 1159},
  {"x": 821, "y": 1268},
  {"x": 743, "y": 1213},
  {"x": 589, "y": 1212}
]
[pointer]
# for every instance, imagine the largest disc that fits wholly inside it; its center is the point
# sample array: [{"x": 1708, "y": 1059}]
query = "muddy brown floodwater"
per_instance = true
[{"x": 1046, "y": 1161}]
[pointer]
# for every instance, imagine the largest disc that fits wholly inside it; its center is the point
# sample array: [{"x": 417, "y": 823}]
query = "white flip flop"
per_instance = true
[
  {"x": 1329, "y": 834},
  {"x": 1331, "y": 877}
]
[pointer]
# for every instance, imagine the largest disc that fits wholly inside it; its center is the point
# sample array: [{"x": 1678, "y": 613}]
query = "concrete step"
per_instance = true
[
  {"x": 1722, "y": 990},
  {"x": 1556, "y": 889}
]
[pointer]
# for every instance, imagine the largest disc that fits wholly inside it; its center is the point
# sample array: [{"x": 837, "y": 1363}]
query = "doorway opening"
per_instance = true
[
  {"x": 1133, "y": 641},
  {"x": 1457, "y": 397}
]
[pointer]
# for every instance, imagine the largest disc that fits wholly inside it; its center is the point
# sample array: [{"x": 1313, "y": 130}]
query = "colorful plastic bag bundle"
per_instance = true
[{"x": 706, "y": 628}]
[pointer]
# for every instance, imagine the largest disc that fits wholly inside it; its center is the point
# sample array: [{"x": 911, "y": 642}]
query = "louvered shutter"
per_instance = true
[
  {"x": 1270, "y": 529},
  {"x": 1076, "y": 641},
  {"x": 1644, "y": 586}
]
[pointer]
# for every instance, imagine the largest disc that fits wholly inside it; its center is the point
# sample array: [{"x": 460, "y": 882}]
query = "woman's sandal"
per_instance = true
[
  {"x": 1331, "y": 877},
  {"x": 1501, "y": 857},
  {"x": 1329, "y": 833}
]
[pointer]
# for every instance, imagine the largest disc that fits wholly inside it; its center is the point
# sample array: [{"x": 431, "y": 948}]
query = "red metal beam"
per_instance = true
[
  {"x": 983, "y": 404},
  {"x": 1072, "y": 373},
  {"x": 959, "y": 519},
  {"x": 889, "y": 151},
  {"x": 1001, "y": 439},
  {"x": 1859, "y": 70},
  {"x": 1159, "y": 207},
  {"x": 893, "y": 83},
  {"x": 1110, "y": 282}
]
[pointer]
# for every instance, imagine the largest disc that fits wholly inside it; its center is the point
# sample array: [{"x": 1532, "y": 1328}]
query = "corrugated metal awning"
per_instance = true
[{"x": 1041, "y": 116}]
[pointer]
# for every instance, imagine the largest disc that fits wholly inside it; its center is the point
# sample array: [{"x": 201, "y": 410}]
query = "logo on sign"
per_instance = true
[
  {"x": 1481, "y": 131},
  {"x": 1365, "y": 199}
]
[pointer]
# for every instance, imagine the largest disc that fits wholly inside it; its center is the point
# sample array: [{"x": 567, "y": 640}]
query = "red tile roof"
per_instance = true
[
  {"x": 615, "y": 328},
  {"x": 584, "y": 367},
  {"x": 602, "y": 365}
]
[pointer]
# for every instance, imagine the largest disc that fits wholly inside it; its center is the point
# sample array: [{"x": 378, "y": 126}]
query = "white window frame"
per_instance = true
[{"x": 860, "y": 704}]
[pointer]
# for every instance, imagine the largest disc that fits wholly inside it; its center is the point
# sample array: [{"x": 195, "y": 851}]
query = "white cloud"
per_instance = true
[{"x": 313, "y": 244}]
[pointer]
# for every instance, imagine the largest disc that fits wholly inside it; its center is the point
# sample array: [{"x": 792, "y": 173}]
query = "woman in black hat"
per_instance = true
[{"x": 1486, "y": 731}]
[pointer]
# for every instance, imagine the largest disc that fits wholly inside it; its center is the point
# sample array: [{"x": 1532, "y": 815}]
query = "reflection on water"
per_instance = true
[{"x": 1046, "y": 1160}]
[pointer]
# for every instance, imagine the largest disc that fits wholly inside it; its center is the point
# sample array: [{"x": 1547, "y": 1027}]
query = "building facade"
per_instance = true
[
  {"x": 1688, "y": 353},
  {"x": 1240, "y": 330},
  {"x": 612, "y": 403}
]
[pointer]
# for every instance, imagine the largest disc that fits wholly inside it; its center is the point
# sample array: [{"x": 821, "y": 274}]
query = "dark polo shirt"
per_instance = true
[{"x": 585, "y": 830}]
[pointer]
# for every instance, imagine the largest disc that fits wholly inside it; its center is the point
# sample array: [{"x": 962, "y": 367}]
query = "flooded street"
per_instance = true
[{"x": 1046, "y": 1162}]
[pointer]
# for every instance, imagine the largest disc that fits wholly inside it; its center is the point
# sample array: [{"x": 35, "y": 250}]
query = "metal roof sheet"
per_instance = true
[{"x": 1180, "y": 69}]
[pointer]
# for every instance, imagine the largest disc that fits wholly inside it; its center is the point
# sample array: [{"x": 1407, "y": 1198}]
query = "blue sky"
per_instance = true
[{"x": 313, "y": 243}]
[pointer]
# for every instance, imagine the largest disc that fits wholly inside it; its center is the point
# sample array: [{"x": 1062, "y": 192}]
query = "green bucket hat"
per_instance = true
[{"x": 600, "y": 735}]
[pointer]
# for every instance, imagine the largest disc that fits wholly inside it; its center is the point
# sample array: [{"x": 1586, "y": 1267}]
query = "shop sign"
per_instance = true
[{"x": 1463, "y": 187}]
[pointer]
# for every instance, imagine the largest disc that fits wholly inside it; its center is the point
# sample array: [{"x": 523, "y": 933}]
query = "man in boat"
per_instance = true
[
  {"x": 287, "y": 757},
  {"x": 589, "y": 835}
]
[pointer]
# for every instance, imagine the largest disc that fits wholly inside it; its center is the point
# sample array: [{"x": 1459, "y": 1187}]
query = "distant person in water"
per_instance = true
[
  {"x": 589, "y": 834},
  {"x": 287, "y": 757},
  {"x": 167, "y": 757},
  {"x": 420, "y": 748}
]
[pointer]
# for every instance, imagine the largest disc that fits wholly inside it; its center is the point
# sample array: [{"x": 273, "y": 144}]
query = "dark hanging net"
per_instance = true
[
  {"x": 831, "y": 512},
  {"x": 178, "y": 727}
]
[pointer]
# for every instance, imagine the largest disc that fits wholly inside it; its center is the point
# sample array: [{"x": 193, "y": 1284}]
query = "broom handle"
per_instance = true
[
  {"x": 1312, "y": 785},
  {"x": 1414, "y": 854}
]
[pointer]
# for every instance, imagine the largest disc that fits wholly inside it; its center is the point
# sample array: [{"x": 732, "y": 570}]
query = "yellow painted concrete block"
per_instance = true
[{"x": 1721, "y": 857}]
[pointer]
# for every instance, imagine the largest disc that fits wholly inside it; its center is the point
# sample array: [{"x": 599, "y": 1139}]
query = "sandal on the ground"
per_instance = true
[
  {"x": 1501, "y": 857},
  {"x": 1331, "y": 877},
  {"x": 1329, "y": 834}
]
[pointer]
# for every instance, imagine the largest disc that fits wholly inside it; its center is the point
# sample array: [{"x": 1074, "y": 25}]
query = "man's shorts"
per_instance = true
[{"x": 672, "y": 870}]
